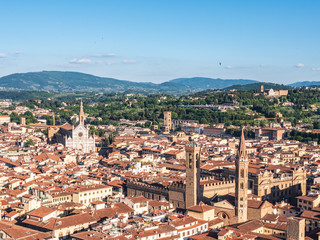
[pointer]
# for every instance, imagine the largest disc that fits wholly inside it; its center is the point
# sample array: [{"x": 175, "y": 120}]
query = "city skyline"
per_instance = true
[{"x": 158, "y": 41}]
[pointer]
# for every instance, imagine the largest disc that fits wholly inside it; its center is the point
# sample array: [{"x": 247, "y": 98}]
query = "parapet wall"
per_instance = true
[{"x": 220, "y": 188}]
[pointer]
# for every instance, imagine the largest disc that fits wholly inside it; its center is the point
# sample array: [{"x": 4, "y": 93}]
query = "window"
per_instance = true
[
  {"x": 242, "y": 173},
  {"x": 190, "y": 160}
]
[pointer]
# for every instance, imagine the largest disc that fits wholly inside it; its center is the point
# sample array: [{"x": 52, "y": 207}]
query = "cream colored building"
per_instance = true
[
  {"x": 87, "y": 194},
  {"x": 4, "y": 119},
  {"x": 308, "y": 202},
  {"x": 202, "y": 211}
]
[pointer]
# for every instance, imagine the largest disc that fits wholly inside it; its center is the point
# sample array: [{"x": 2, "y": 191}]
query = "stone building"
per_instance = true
[
  {"x": 296, "y": 228},
  {"x": 273, "y": 93},
  {"x": 268, "y": 183},
  {"x": 167, "y": 123},
  {"x": 241, "y": 188},
  {"x": 271, "y": 133},
  {"x": 74, "y": 137},
  {"x": 274, "y": 185},
  {"x": 192, "y": 174},
  {"x": 4, "y": 119}
]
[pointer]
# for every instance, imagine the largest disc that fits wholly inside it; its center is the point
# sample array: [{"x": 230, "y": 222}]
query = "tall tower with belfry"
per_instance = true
[
  {"x": 241, "y": 195},
  {"x": 167, "y": 123},
  {"x": 192, "y": 174}
]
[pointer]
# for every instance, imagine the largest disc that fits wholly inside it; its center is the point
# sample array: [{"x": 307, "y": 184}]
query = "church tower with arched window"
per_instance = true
[
  {"x": 241, "y": 195},
  {"x": 192, "y": 174}
]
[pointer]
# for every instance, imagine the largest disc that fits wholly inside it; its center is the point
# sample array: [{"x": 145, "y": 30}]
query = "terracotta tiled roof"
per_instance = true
[
  {"x": 201, "y": 207},
  {"x": 41, "y": 212}
]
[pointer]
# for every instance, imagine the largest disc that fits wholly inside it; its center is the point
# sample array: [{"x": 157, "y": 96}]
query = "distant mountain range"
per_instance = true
[
  {"x": 59, "y": 81},
  {"x": 81, "y": 82},
  {"x": 305, "y": 84}
]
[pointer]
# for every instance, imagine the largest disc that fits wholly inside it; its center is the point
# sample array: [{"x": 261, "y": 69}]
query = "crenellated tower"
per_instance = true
[
  {"x": 241, "y": 196},
  {"x": 192, "y": 174}
]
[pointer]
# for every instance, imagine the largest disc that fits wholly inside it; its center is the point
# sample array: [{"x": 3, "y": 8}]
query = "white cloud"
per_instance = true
[
  {"x": 315, "y": 69},
  {"x": 3, "y": 55},
  {"x": 80, "y": 60},
  {"x": 229, "y": 67},
  {"x": 299, "y": 65},
  {"x": 263, "y": 65},
  {"x": 104, "y": 55},
  {"x": 129, "y": 61}
]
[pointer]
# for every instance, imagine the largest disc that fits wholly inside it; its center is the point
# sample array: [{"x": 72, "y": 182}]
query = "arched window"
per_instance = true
[
  {"x": 242, "y": 173},
  {"x": 198, "y": 160},
  {"x": 190, "y": 160}
]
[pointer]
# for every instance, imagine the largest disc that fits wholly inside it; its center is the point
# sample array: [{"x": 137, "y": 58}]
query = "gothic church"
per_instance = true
[{"x": 76, "y": 137}]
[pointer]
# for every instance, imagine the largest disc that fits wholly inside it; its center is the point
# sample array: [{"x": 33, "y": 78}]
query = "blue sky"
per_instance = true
[{"x": 146, "y": 40}]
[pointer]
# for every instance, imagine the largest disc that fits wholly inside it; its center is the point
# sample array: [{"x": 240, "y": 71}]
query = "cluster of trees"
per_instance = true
[
  {"x": 303, "y": 97},
  {"x": 304, "y": 136},
  {"x": 248, "y": 133},
  {"x": 109, "y": 108},
  {"x": 30, "y": 118}
]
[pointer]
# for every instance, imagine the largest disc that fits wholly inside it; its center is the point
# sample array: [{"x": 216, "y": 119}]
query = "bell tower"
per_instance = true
[
  {"x": 167, "y": 122},
  {"x": 81, "y": 114},
  {"x": 192, "y": 174},
  {"x": 241, "y": 196}
]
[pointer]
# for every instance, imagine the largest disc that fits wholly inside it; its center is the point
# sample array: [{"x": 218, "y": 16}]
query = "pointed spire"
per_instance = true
[
  {"x": 81, "y": 114},
  {"x": 242, "y": 151}
]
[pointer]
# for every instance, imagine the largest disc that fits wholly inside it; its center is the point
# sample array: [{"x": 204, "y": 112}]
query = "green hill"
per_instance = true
[
  {"x": 257, "y": 86},
  {"x": 305, "y": 84},
  {"x": 80, "y": 82}
]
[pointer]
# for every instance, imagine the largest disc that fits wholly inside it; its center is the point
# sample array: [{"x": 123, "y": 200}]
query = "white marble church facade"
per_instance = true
[{"x": 78, "y": 137}]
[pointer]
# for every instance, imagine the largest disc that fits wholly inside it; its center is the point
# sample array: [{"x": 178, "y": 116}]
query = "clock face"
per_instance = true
[{"x": 80, "y": 134}]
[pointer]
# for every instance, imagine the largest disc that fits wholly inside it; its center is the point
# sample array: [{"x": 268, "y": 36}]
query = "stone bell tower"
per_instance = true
[
  {"x": 167, "y": 122},
  {"x": 81, "y": 114},
  {"x": 241, "y": 196},
  {"x": 192, "y": 174}
]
